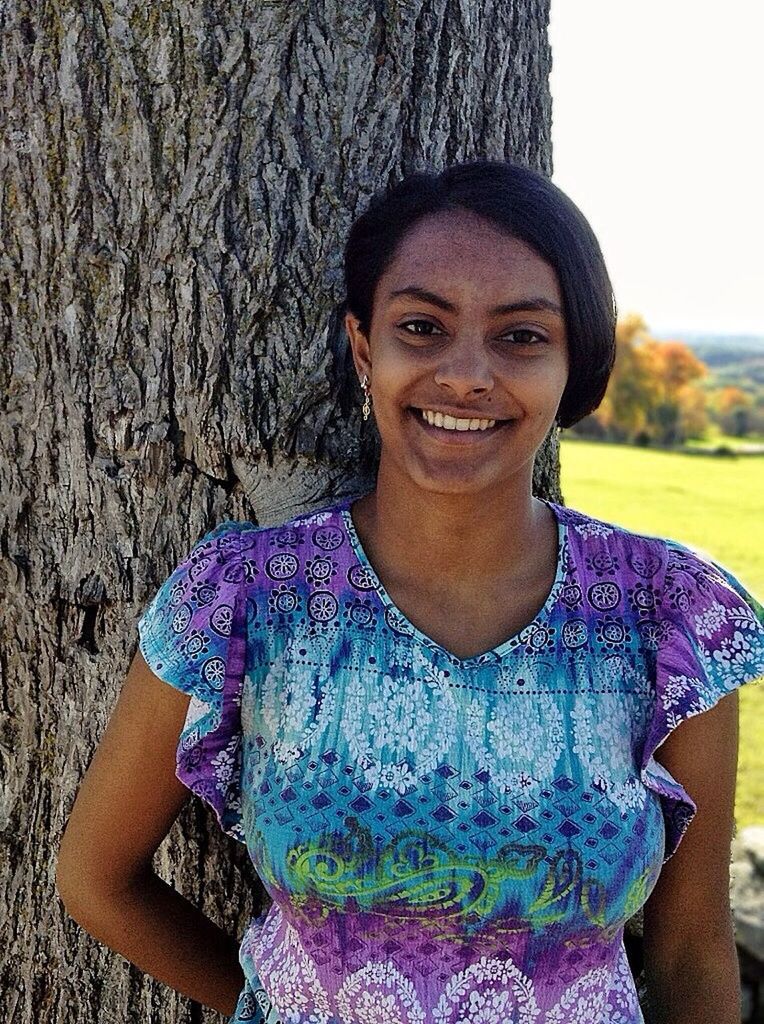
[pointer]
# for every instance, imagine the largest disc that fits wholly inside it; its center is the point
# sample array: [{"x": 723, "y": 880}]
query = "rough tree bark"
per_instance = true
[{"x": 177, "y": 180}]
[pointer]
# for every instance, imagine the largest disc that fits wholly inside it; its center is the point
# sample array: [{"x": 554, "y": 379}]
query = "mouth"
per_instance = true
[{"x": 457, "y": 431}]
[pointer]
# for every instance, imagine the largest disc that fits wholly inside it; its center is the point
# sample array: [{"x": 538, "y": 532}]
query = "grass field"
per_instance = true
[{"x": 714, "y": 504}]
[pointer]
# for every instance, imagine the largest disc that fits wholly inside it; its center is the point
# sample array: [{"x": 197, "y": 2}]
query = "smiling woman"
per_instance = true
[
  {"x": 432, "y": 711},
  {"x": 490, "y": 344}
]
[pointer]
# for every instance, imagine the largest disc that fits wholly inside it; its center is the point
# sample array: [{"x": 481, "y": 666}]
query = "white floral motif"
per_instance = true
[
  {"x": 491, "y": 991},
  {"x": 379, "y": 994},
  {"x": 505, "y": 749},
  {"x": 584, "y": 1002},
  {"x": 709, "y": 622},
  {"x": 676, "y": 689},
  {"x": 623, "y": 998},
  {"x": 399, "y": 714},
  {"x": 225, "y": 760},
  {"x": 390, "y": 776},
  {"x": 400, "y": 735},
  {"x": 289, "y": 975},
  {"x": 616, "y": 670},
  {"x": 736, "y": 659},
  {"x": 592, "y": 528},
  {"x": 297, "y": 700},
  {"x": 602, "y": 740},
  {"x": 743, "y": 616},
  {"x": 402, "y": 655}
]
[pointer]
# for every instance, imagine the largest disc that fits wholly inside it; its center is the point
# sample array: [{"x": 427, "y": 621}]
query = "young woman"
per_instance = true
[{"x": 433, "y": 712}]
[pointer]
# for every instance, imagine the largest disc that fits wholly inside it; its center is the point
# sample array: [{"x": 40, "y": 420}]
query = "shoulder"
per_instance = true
[
  {"x": 278, "y": 551},
  {"x": 586, "y": 525},
  {"x": 686, "y": 573},
  {"x": 599, "y": 540}
]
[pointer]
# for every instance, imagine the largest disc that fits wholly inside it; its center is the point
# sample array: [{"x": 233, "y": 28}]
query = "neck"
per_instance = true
[{"x": 452, "y": 537}]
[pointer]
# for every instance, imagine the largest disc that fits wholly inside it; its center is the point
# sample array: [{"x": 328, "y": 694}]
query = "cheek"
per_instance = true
[{"x": 393, "y": 381}]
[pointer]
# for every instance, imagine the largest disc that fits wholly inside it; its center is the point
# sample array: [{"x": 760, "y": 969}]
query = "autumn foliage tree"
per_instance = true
[
  {"x": 673, "y": 371},
  {"x": 653, "y": 396},
  {"x": 734, "y": 410}
]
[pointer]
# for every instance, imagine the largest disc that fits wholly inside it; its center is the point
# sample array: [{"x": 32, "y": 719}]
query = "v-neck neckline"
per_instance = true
[{"x": 492, "y": 654}]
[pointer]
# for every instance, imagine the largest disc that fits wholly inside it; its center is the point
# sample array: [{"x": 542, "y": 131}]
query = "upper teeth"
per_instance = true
[{"x": 437, "y": 419}]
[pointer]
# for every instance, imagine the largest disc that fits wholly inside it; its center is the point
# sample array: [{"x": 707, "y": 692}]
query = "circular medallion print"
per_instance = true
[
  {"x": 361, "y": 613},
  {"x": 602, "y": 562},
  {"x": 320, "y": 569},
  {"x": 643, "y": 598},
  {"x": 197, "y": 642},
  {"x": 571, "y": 595},
  {"x": 328, "y": 538},
  {"x": 604, "y": 596},
  {"x": 213, "y": 672},
  {"x": 537, "y": 637},
  {"x": 282, "y": 566},
  {"x": 361, "y": 578},
  {"x": 612, "y": 631},
  {"x": 651, "y": 634},
  {"x": 181, "y": 618},
  {"x": 222, "y": 619},
  {"x": 574, "y": 633},
  {"x": 285, "y": 599},
  {"x": 645, "y": 564},
  {"x": 322, "y": 606},
  {"x": 205, "y": 593},
  {"x": 397, "y": 623}
]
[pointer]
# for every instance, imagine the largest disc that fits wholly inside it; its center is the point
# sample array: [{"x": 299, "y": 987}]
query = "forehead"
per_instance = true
[{"x": 458, "y": 249}]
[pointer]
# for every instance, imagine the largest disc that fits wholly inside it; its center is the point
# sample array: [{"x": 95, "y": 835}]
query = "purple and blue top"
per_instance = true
[{"x": 444, "y": 840}]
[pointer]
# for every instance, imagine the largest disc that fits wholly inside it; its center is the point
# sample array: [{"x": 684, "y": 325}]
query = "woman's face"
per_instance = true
[{"x": 450, "y": 350}]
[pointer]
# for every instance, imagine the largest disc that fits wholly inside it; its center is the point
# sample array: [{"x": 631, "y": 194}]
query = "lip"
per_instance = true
[{"x": 458, "y": 437}]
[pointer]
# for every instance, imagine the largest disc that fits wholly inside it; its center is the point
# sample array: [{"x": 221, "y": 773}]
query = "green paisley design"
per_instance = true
[{"x": 418, "y": 876}]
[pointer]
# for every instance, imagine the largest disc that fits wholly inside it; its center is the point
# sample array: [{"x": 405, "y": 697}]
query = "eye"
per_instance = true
[
  {"x": 524, "y": 335},
  {"x": 419, "y": 334}
]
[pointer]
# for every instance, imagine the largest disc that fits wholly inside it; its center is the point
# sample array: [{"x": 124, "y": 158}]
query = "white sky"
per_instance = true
[{"x": 657, "y": 131}]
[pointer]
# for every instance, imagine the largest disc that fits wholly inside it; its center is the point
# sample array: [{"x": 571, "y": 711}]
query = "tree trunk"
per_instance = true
[{"x": 177, "y": 182}]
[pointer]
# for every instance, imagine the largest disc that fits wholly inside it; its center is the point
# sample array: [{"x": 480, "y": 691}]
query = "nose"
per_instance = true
[{"x": 464, "y": 370}]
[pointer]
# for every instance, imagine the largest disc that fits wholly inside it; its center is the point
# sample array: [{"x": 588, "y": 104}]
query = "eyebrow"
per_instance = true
[{"x": 536, "y": 303}]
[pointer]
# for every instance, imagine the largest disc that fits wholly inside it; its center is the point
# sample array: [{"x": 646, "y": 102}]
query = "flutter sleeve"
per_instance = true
[
  {"x": 193, "y": 636},
  {"x": 710, "y": 641}
]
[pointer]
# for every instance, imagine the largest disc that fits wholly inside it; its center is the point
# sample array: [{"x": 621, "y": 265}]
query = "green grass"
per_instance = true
[
  {"x": 714, "y": 438},
  {"x": 714, "y": 504}
]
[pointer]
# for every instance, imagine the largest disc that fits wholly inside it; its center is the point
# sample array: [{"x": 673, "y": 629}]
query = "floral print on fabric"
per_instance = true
[
  {"x": 192, "y": 635},
  {"x": 444, "y": 840},
  {"x": 710, "y": 643}
]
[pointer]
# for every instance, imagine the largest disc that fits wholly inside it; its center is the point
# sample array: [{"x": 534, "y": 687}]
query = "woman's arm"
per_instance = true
[
  {"x": 125, "y": 806},
  {"x": 691, "y": 965}
]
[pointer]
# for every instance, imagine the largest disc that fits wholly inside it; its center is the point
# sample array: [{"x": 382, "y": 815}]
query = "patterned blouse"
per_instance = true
[{"x": 444, "y": 840}]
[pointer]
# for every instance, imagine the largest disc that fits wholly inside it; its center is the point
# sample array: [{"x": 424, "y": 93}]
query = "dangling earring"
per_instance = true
[{"x": 367, "y": 400}]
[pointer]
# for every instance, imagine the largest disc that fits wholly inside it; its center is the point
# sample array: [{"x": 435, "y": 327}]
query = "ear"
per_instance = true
[{"x": 359, "y": 346}]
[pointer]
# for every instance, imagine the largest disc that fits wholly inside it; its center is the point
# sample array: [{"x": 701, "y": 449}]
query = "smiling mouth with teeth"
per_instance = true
[{"x": 439, "y": 419}]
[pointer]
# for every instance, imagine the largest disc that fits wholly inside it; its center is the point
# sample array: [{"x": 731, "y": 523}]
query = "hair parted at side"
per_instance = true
[{"x": 526, "y": 205}]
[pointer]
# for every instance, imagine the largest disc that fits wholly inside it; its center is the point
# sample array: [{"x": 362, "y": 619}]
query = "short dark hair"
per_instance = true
[{"x": 526, "y": 205}]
